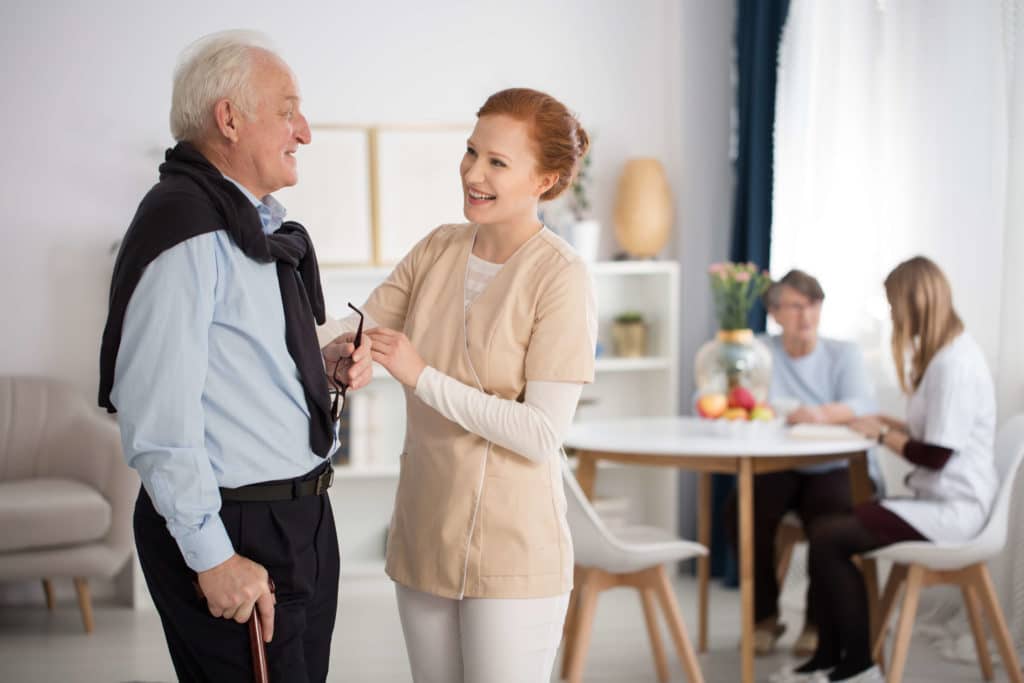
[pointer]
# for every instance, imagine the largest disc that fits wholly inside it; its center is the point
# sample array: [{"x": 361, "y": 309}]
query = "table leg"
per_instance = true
[
  {"x": 746, "y": 529},
  {"x": 586, "y": 473},
  {"x": 862, "y": 491},
  {"x": 704, "y": 562}
]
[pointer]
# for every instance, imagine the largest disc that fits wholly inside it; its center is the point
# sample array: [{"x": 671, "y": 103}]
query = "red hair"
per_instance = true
[{"x": 560, "y": 140}]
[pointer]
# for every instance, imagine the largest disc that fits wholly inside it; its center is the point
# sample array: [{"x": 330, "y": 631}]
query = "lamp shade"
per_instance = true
[{"x": 643, "y": 208}]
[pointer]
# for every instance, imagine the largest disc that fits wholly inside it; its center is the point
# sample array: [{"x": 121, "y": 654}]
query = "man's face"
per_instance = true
[{"x": 265, "y": 150}]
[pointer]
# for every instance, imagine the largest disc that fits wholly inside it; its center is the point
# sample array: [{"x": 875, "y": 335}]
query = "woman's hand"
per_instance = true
[
  {"x": 867, "y": 425},
  {"x": 396, "y": 353}
]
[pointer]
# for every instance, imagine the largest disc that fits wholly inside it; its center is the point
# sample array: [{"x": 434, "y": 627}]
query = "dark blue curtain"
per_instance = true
[{"x": 758, "y": 32}]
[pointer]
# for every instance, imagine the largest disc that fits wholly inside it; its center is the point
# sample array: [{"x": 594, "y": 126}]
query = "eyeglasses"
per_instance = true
[{"x": 338, "y": 403}]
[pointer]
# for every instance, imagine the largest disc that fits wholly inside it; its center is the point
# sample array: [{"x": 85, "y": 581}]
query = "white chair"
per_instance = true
[
  {"x": 922, "y": 564},
  {"x": 633, "y": 557}
]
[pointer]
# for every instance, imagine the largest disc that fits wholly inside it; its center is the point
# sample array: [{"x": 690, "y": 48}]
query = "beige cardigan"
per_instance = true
[{"x": 471, "y": 518}]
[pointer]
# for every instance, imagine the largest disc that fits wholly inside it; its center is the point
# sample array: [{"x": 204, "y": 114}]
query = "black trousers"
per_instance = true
[
  {"x": 297, "y": 543},
  {"x": 813, "y": 497},
  {"x": 842, "y": 607}
]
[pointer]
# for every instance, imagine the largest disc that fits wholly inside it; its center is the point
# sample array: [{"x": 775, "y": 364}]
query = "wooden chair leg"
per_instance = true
[
  {"x": 915, "y": 577},
  {"x": 704, "y": 561},
  {"x": 667, "y": 597},
  {"x": 84, "y": 603},
  {"x": 651, "y": 617},
  {"x": 571, "y": 622},
  {"x": 897, "y": 575},
  {"x": 573, "y": 666},
  {"x": 51, "y": 600},
  {"x": 982, "y": 581},
  {"x": 977, "y": 628}
]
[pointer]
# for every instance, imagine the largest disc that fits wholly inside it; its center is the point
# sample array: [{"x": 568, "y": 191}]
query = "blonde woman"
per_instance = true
[
  {"x": 490, "y": 326},
  {"x": 948, "y": 435}
]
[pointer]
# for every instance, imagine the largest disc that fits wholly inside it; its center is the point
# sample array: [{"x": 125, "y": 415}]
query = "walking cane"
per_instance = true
[{"x": 256, "y": 646}]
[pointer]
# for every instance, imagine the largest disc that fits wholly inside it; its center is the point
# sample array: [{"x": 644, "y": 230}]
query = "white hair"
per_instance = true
[{"x": 215, "y": 67}]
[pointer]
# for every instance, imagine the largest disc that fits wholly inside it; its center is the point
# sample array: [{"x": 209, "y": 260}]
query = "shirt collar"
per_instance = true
[{"x": 271, "y": 211}]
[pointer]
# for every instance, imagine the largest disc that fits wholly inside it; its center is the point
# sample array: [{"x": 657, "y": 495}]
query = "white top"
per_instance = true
[
  {"x": 534, "y": 428},
  {"x": 833, "y": 372},
  {"x": 954, "y": 407},
  {"x": 697, "y": 437}
]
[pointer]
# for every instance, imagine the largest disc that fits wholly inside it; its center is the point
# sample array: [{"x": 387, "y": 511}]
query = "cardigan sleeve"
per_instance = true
[{"x": 564, "y": 335}]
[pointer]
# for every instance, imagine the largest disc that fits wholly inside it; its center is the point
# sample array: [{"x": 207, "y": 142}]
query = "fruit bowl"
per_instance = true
[
  {"x": 743, "y": 429},
  {"x": 737, "y": 414}
]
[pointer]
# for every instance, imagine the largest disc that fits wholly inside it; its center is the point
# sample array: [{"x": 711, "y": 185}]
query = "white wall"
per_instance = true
[
  {"x": 88, "y": 85},
  {"x": 87, "y": 91}
]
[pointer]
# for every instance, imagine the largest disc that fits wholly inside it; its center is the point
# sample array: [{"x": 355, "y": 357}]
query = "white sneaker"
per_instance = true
[
  {"x": 788, "y": 675},
  {"x": 872, "y": 675}
]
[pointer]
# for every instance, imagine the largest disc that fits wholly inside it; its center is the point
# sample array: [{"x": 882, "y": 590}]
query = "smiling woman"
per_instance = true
[{"x": 490, "y": 327}]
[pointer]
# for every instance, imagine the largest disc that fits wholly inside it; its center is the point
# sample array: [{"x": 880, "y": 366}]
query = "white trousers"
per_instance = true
[{"x": 480, "y": 640}]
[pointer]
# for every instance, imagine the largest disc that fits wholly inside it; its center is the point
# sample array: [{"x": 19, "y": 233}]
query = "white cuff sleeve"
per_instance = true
[{"x": 535, "y": 429}]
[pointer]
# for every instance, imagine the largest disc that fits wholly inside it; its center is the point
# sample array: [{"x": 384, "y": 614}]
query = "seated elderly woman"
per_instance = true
[{"x": 826, "y": 380}]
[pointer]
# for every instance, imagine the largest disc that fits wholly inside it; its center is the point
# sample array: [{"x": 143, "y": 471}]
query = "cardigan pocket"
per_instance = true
[{"x": 519, "y": 533}]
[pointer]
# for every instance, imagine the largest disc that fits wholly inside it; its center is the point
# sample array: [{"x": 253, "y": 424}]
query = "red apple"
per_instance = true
[
  {"x": 740, "y": 397},
  {"x": 712, "y": 405}
]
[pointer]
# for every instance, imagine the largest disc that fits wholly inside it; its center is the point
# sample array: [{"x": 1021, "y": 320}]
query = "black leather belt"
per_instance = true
[{"x": 288, "y": 490}]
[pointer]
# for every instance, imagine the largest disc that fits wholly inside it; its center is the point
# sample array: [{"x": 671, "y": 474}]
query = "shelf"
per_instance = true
[{"x": 612, "y": 364}]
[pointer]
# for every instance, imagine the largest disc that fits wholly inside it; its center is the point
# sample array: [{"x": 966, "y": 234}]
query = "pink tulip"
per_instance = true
[
  {"x": 742, "y": 276},
  {"x": 716, "y": 268}
]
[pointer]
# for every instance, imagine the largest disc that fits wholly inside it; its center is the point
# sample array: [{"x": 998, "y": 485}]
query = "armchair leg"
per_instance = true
[
  {"x": 915, "y": 578},
  {"x": 51, "y": 600},
  {"x": 651, "y": 617},
  {"x": 572, "y": 668},
  {"x": 897, "y": 575},
  {"x": 84, "y": 603},
  {"x": 677, "y": 628},
  {"x": 983, "y": 583},
  {"x": 977, "y": 628}
]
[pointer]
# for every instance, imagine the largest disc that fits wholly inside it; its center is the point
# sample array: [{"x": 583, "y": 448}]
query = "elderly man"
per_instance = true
[
  {"x": 211, "y": 360},
  {"x": 826, "y": 381}
]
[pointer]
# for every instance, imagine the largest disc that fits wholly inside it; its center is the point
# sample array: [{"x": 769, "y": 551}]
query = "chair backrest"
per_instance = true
[
  {"x": 32, "y": 411},
  {"x": 1009, "y": 453},
  {"x": 591, "y": 539}
]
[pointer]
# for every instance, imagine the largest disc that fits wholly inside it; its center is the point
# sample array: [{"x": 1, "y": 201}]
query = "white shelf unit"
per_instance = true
[{"x": 363, "y": 492}]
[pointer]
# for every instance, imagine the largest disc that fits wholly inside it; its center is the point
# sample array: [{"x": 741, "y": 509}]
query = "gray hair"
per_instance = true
[{"x": 215, "y": 67}]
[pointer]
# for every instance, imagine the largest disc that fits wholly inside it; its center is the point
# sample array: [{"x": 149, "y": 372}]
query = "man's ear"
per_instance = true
[
  {"x": 227, "y": 117},
  {"x": 546, "y": 182}
]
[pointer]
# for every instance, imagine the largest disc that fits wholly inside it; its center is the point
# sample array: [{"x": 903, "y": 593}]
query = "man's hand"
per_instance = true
[
  {"x": 396, "y": 353},
  {"x": 234, "y": 586},
  {"x": 356, "y": 364}
]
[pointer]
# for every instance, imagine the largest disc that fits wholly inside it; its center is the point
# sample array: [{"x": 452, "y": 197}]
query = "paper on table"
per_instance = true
[{"x": 819, "y": 432}]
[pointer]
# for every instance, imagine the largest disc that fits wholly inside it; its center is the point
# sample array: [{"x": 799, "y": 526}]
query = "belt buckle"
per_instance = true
[{"x": 321, "y": 484}]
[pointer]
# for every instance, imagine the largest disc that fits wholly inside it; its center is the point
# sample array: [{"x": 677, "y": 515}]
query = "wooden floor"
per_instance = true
[{"x": 368, "y": 648}]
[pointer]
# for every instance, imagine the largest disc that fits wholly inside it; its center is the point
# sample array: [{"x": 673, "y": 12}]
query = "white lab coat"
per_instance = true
[{"x": 954, "y": 407}]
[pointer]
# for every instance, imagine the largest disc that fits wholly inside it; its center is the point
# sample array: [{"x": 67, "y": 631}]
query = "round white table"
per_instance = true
[{"x": 700, "y": 445}]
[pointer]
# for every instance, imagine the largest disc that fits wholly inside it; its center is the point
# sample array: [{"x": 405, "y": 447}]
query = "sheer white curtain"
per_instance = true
[{"x": 900, "y": 131}]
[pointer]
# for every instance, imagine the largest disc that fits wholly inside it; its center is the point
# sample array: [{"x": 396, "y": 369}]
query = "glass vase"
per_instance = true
[{"x": 734, "y": 358}]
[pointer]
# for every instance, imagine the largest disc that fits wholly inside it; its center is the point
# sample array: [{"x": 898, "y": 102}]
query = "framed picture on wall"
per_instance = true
[
  {"x": 418, "y": 186},
  {"x": 333, "y": 196}
]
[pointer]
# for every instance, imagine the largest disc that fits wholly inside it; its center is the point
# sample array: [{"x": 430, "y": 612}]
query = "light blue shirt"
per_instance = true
[
  {"x": 207, "y": 394},
  {"x": 832, "y": 373}
]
